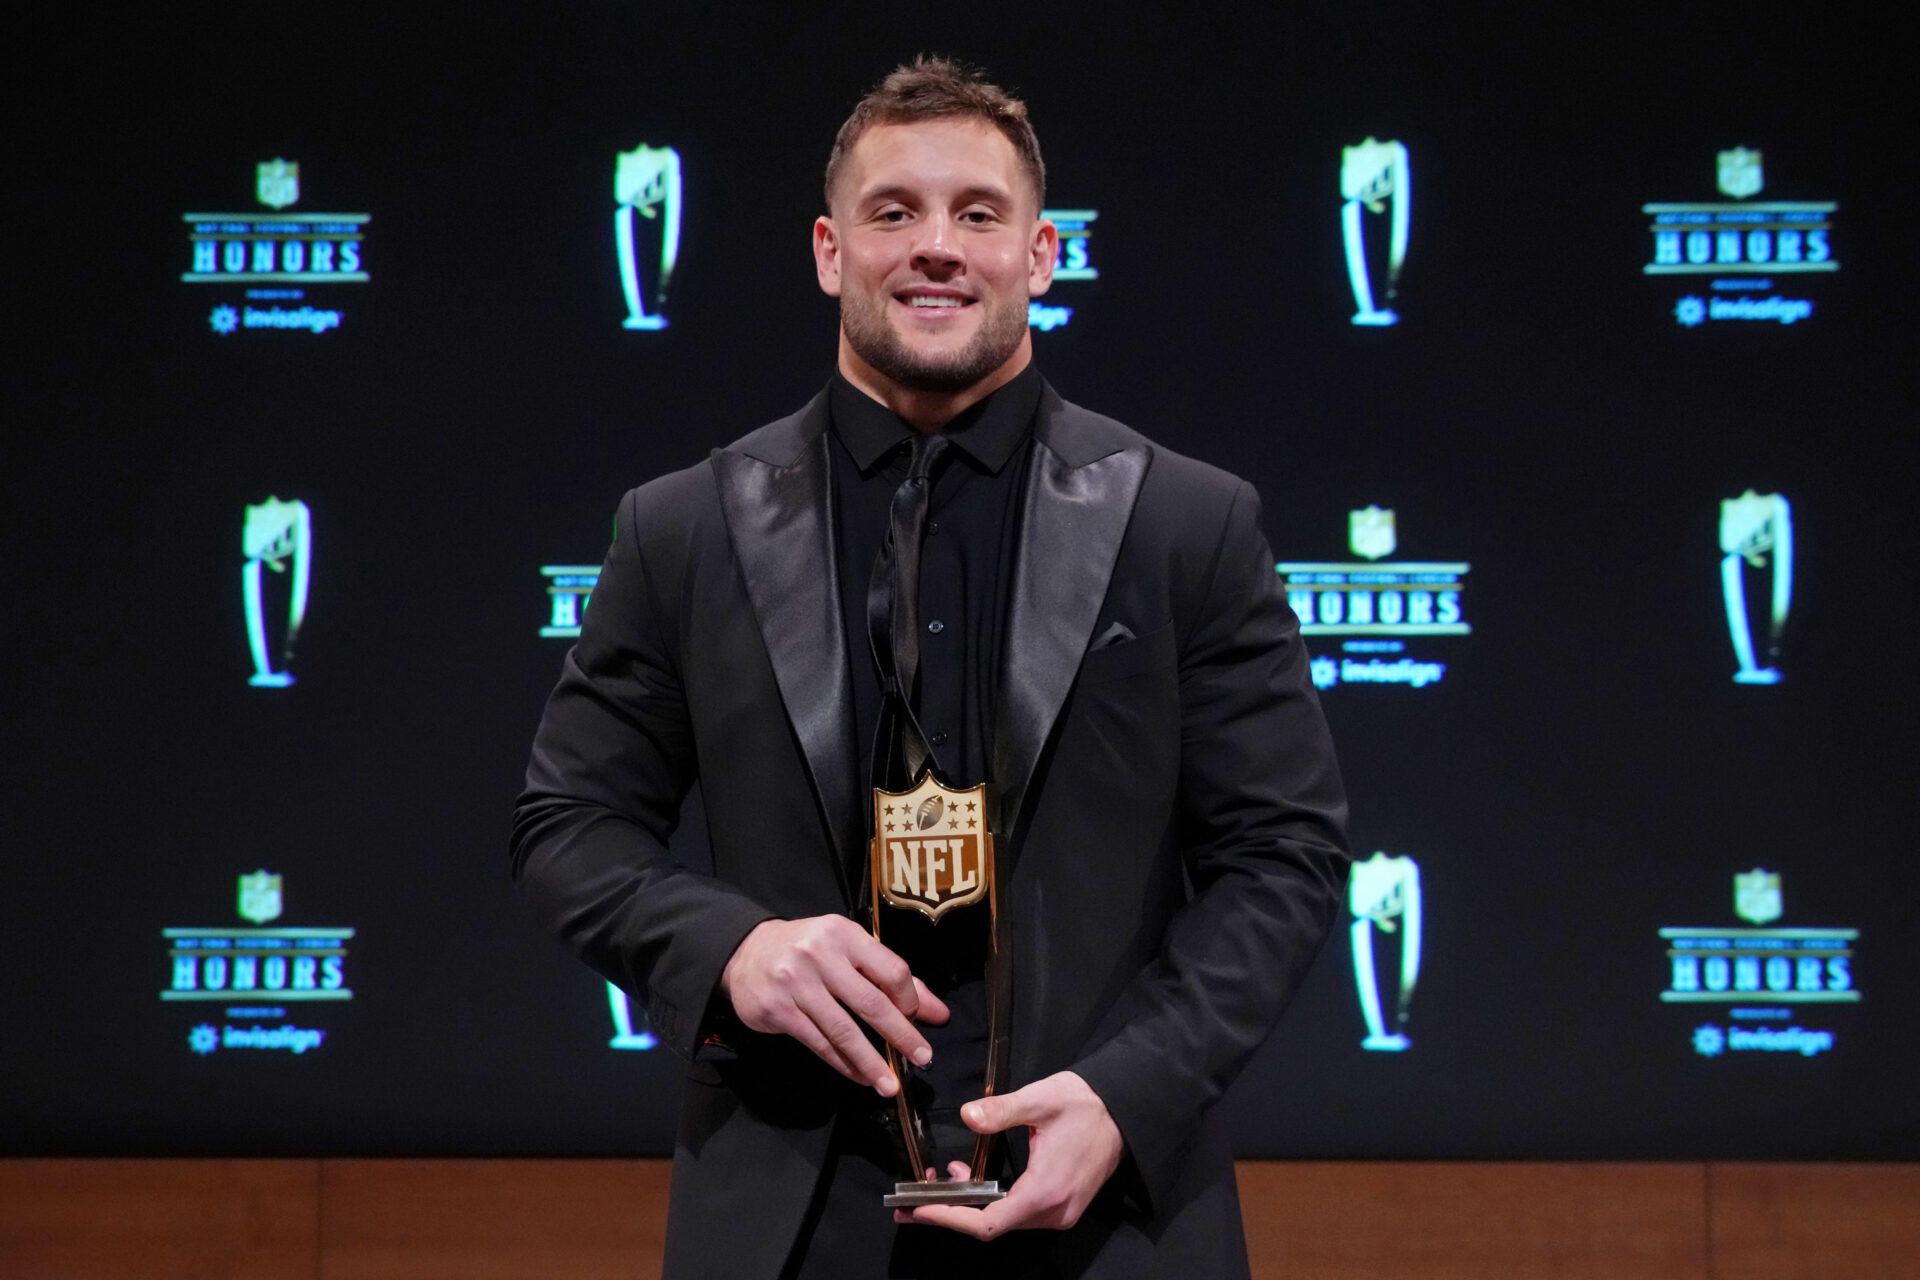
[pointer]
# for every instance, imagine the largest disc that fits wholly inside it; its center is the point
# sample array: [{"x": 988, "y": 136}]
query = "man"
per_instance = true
[{"x": 1098, "y": 635}]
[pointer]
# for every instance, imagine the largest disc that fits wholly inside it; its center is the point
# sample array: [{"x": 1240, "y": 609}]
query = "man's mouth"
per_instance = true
[{"x": 933, "y": 301}]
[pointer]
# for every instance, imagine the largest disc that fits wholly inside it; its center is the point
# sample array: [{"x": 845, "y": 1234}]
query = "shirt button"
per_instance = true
[
  {"x": 939, "y": 739},
  {"x": 936, "y": 626},
  {"x": 933, "y": 526}
]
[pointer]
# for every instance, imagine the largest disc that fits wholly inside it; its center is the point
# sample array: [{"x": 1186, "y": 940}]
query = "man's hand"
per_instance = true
[
  {"x": 801, "y": 977},
  {"x": 1072, "y": 1149}
]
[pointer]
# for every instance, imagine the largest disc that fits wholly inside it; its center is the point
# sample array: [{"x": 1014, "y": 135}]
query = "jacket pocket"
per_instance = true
[{"x": 1141, "y": 654}]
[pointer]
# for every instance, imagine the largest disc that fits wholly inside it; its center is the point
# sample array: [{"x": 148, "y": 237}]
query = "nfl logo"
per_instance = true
[
  {"x": 1756, "y": 896},
  {"x": 1740, "y": 172},
  {"x": 277, "y": 183},
  {"x": 259, "y": 897},
  {"x": 1370, "y": 532}
]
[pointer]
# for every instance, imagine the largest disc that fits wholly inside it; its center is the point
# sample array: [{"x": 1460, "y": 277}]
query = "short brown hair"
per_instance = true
[{"x": 937, "y": 88}]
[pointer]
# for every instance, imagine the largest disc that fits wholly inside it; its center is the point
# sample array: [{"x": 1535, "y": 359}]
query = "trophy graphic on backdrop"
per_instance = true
[
  {"x": 1384, "y": 895},
  {"x": 1756, "y": 538},
  {"x": 646, "y": 181},
  {"x": 275, "y": 534},
  {"x": 1373, "y": 176},
  {"x": 625, "y": 1034},
  {"x": 932, "y": 854}
]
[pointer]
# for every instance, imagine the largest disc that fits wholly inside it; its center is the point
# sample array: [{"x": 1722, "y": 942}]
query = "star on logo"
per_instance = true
[
  {"x": 953, "y": 824},
  {"x": 203, "y": 1039},
  {"x": 970, "y": 821},
  {"x": 1689, "y": 311},
  {"x": 1709, "y": 1040},
  {"x": 224, "y": 319}
]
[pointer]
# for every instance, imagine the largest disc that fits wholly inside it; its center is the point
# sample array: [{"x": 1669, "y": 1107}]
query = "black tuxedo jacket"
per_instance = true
[{"x": 1167, "y": 804}]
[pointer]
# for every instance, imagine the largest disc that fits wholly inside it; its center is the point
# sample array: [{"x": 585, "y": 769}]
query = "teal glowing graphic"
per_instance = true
[
  {"x": 284, "y": 248},
  {"x": 1756, "y": 541},
  {"x": 283, "y": 964},
  {"x": 625, "y": 1036},
  {"x": 1375, "y": 184},
  {"x": 646, "y": 181},
  {"x": 568, "y": 588},
  {"x": 1764, "y": 965},
  {"x": 277, "y": 537},
  {"x": 1744, "y": 244},
  {"x": 1383, "y": 894},
  {"x": 1375, "y": 606},
  {"x": 1073, "y": 260}
]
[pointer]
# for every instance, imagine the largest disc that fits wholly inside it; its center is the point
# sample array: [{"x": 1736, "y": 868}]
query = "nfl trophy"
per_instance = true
[
  {"x": 932, "y": 854},
  {"x": 1756, "y": 537},
  {"x": 1384, "y": 895},
  {"x": 646, "y": 181},
  {"x": 275, "y": 534},
  {"x": 1373, "y": 176}
]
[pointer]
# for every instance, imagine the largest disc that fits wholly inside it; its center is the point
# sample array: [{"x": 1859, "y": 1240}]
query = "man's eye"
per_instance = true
[{"x": 893, "y": 215}]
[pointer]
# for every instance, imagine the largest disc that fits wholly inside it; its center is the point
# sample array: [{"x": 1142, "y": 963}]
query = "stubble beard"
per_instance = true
[{"x": 873, "y": 339}]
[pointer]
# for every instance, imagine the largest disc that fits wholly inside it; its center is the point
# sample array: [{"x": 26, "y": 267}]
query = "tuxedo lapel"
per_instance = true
[
  {"x": 775, "y": 493},
  {"x": 1080, "y": 496}
]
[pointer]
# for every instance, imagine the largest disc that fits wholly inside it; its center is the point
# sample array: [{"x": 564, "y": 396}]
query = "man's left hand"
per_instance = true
[{"x": 1073, "y": 1147}]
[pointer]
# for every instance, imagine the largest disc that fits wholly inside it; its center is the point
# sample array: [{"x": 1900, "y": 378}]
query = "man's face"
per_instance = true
[{"x": 933, "y": 246}]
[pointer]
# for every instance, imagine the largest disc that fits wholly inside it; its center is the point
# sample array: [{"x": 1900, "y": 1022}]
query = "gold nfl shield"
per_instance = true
[
  {"x": 1756, "y": 896},
  {"x": 259, "y": 899},
  {"x": 931, "y": 848},
  {"x": 1740, "y": 174},
  {"x": 277, "y": 183}
]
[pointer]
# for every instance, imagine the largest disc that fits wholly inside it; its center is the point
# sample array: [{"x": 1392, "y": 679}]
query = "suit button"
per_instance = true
[
  {"x": 936, "y": 626},
  {"x": 933, "y": 527}
]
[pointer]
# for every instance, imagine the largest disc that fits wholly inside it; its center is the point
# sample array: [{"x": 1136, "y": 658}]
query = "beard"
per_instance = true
[{"x": 864, "y": 320}]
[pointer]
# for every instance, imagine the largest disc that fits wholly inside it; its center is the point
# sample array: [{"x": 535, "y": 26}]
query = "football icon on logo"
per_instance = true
[{"x": 930, "y": 810}]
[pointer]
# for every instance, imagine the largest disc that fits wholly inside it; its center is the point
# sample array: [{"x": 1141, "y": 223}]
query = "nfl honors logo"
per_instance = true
[
  {"x": 1756, "y": 896},
  {"x": 932, "y": 851},
  {"x": 1370, "y": 532}
]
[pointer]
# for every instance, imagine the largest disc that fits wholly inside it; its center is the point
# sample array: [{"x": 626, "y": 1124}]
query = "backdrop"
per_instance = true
[{"x": 1571, "y": 358}]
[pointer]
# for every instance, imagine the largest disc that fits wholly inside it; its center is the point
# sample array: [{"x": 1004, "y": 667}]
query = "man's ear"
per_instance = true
[
  {"x": 826, "y": 255},
  {"x": 1045, "y": 248}
]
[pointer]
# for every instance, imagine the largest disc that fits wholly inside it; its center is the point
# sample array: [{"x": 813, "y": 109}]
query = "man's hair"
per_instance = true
[{"x": 937, "y": 88}]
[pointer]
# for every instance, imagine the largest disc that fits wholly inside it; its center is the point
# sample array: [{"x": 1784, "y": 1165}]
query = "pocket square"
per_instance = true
[{"x": 1116, "y": 633}]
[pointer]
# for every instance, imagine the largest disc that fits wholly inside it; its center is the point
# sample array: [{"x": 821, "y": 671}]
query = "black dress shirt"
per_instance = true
[{"x": 966, "y": 564}]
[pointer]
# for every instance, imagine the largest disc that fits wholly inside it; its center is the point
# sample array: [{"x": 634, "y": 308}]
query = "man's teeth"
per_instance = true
[{"x": 922, "y": 300}]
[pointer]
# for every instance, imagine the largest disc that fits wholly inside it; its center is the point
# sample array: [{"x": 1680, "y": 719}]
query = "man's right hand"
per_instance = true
[{"x": 810, "y": 978}]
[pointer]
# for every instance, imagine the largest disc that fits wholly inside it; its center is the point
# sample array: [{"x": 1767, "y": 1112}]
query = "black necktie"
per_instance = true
[{"x": 900, "y": 749}]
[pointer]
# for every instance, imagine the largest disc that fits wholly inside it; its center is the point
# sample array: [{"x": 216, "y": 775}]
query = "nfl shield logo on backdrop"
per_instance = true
[
  {"x": 1370, "y": 532},
  {"x": 260, "y": 897},
  {"x": 1740, "y": 172},
  {"x": 277, "y": 183},
  {"x": 1756, "y": 896}
]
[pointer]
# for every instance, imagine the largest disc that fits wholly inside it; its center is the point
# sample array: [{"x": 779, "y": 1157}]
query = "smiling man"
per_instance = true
[{"x": 938, "y": 563}]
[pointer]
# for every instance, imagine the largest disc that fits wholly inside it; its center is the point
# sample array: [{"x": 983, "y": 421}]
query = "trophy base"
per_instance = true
[{"x": 911, "y": 1195}]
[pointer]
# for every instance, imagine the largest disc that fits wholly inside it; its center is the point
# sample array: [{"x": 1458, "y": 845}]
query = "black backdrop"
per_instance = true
[{"x": 1585, "y": 774}]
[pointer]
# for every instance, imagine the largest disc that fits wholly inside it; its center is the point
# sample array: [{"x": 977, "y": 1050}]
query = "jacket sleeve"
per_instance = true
[
  {"x": 611, "y": 764},
  {"x": 1263, "y": 815}
]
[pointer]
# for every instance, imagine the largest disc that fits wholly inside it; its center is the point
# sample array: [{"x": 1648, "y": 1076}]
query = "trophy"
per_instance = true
[
  {"x": 932, "y": 854},
  {"x": 275, "y": 533},
  {"x": 1384, "y": 895},
  {"x": 1372, "y": 176},
  {"x": 1756, "y": 535},
  {"x": 646, "y": 180},
  {"x": 625, "y": 1034}
]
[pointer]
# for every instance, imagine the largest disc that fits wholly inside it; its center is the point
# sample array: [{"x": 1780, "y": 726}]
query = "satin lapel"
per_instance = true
[
  {"x": 782, "y": 529},
  {"x": 1070, "y": 533}
]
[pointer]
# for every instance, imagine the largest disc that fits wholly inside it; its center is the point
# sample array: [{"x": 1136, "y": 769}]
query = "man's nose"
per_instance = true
[{"x": 937, "y": 248}]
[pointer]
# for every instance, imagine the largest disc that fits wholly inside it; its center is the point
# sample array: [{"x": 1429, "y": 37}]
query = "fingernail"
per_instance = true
[
  {"x": 976, "y": 1114},
  {"x": 923, "y": 1055},
  {"x": 886, "y": 1085}
]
